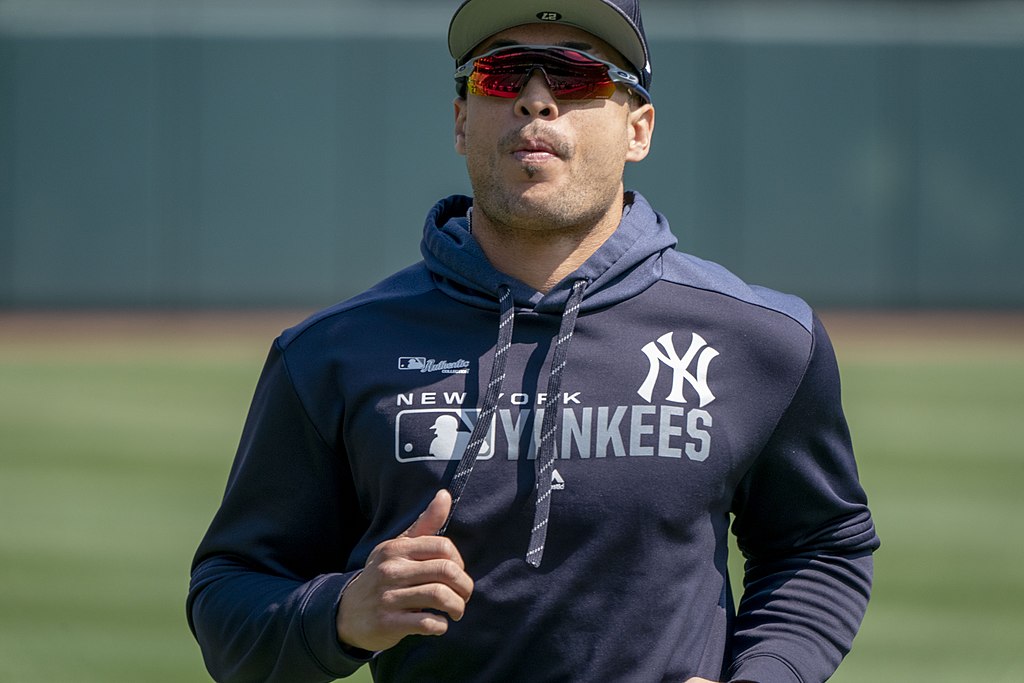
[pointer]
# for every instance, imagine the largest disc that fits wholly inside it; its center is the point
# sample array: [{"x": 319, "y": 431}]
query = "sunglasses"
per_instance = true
[{"x": 570, "y": 74}]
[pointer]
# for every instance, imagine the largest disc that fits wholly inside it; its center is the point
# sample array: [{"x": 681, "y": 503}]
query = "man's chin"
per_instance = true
[{"x": 541, "y": 202}]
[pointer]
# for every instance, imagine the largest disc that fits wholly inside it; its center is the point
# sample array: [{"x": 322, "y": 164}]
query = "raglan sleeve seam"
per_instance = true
[
  {"x": 298, "y": 396},
  {"x": 794, "y": 391}
]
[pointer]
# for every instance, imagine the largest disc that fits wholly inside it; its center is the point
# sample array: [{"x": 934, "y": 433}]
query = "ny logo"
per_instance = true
[{"x": 681, "y": 374}]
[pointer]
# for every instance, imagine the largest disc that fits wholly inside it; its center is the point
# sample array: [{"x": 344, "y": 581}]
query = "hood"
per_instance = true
[{"x": 625, "y": 265}]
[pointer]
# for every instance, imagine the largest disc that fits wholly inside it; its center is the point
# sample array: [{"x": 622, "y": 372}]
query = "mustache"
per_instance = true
[{"x": 530, "y": 134}]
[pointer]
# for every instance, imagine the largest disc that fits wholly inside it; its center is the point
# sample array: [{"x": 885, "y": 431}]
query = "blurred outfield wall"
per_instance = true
[{"x": 227, "y": 153}]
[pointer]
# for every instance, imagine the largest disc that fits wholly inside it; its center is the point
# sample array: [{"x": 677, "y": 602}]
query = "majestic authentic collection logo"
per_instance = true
[
  {"x": 435, "y": 425},
  {"x": 422, "y": 364}
]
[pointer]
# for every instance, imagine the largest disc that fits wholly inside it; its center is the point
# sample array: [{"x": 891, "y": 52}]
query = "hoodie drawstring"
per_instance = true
[
  {"x": 549, "y": 425},
  {"x": 490, "y": 404}
]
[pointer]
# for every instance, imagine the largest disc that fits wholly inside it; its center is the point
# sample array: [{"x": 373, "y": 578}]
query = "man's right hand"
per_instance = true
[{"x": 403, "y": 578}]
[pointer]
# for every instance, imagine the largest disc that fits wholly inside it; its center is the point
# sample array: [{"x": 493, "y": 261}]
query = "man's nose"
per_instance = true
[{"x": 535, "y": 99}]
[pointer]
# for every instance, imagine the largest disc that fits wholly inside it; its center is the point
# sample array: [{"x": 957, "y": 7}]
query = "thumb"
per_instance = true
[{"x": 432, "y": 519}]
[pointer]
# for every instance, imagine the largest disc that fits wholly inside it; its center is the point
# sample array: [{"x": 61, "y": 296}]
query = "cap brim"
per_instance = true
[{"x": 476, "y": 20}]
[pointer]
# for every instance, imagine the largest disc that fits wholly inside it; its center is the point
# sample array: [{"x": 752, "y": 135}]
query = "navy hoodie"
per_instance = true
[{"x": 687, "y": 399}]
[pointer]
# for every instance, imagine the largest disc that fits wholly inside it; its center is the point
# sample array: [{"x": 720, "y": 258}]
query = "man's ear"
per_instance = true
[
  {"x": 460, "y": 125},
  {"x": 641, "y": 130}
]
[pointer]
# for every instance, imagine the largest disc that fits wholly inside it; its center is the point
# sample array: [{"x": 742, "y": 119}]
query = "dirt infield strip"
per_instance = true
[
  {"x": 904, "y": 332},
  {"x": 910, "y": 335}
]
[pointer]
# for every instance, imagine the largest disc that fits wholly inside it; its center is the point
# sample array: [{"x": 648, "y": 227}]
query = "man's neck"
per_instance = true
[{"x": 541, "y": 258}]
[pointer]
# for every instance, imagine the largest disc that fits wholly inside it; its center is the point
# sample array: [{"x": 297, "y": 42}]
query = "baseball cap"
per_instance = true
[{"x": 617, "y": 22}]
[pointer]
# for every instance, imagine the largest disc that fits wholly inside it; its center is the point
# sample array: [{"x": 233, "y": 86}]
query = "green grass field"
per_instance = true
[{"x": 116, "y": 435}]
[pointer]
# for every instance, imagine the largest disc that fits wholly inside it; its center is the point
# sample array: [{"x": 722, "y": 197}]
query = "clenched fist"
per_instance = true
[{"x": 411, "y": 584}]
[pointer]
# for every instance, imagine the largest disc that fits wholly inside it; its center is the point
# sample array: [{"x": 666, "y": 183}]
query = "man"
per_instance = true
[{"x": 624, "y": 400}]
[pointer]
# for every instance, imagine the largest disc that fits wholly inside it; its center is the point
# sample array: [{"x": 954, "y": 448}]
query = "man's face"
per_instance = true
[{"x": 538, "y": 163}]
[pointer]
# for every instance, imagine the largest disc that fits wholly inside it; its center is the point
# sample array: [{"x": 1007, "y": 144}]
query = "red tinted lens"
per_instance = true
[{"x": 570, "y": 75}]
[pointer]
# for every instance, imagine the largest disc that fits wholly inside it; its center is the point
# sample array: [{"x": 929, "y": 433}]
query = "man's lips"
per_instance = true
[
  {"x": 535, "y": 149},
  {"x": 534, "y": 154}
]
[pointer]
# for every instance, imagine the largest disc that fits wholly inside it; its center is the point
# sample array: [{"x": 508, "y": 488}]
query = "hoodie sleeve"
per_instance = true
[
  {"x": 803, "y": 525},
  {"x": 266, "y": 579}
]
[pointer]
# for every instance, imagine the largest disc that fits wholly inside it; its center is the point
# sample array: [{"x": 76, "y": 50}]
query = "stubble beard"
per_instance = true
[{"x": 510, "y": 210}]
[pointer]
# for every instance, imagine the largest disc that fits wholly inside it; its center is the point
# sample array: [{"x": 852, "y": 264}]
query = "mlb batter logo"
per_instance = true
[{"x": 438, "y": 434}]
